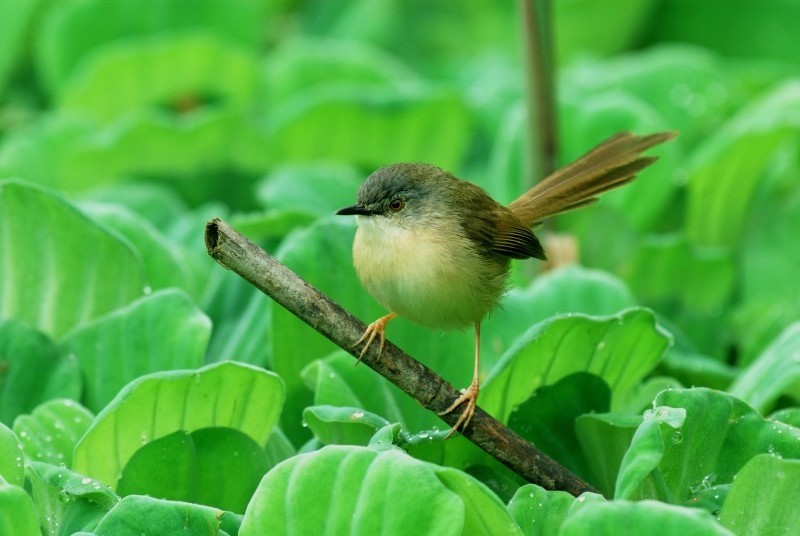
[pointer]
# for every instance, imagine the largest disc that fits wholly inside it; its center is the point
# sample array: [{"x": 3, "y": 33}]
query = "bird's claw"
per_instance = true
[
  {"x": 374, "y": 329},
  {"x": 469, "y": 395}
]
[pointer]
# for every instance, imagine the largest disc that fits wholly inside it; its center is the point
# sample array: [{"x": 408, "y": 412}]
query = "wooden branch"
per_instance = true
[{"x": 235, "y": 252}]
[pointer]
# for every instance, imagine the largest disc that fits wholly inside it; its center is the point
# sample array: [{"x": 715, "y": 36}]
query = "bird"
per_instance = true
[{"x": 436, "y": 249}]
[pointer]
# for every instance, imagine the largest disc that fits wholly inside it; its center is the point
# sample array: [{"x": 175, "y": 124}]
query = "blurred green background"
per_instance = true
[
  {"x": 125, "y": 125},
  {"x": 150, "y": 117}
]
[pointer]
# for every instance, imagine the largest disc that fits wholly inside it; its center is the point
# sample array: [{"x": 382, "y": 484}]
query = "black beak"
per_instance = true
[{"x": 358, "y": 210}]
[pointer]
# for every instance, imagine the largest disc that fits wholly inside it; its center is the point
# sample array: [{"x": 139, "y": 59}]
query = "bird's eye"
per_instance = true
[{"x": 396, "y": 205}]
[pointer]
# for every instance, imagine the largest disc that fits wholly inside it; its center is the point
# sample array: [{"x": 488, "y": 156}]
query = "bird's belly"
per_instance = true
[{"x": 436, "y": 281}]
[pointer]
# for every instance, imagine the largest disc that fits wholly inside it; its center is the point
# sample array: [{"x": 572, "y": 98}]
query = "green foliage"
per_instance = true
[
  {"x": 145, "y": 389},
  {"x": 35, "y": 370},
  {"x": 437, "y": 499},
  {"x": 229, "y": 395},
  {"x": 52, "y": 253},
  {"x": 162, "y": 331},
  {"x": 760, "y": 498},
  {"x": 17, "y": 514},
  {"x": 50, "y": 432}
]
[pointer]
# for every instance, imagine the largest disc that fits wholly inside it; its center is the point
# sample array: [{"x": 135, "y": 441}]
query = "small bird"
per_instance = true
[{"x": 436, "y": 249}]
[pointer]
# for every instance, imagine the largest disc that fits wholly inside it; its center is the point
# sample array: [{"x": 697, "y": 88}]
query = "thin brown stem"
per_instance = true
[
  {"x": 540, "y": 73},
  {"x": 237, "y": 253}
]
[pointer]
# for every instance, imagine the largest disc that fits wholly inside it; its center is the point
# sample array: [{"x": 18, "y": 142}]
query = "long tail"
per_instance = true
[{"x": 609, "y": 165}]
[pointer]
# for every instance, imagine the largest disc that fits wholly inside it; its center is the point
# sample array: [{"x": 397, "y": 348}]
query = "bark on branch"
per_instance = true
[{"x": 235, "y": 252}]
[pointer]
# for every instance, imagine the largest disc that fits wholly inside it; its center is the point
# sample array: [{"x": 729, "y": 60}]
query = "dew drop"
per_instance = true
[
  {"x": 86, "y": 481},
  {"x": 677, "y": 438},
  {"x": 358, "y": 415}
]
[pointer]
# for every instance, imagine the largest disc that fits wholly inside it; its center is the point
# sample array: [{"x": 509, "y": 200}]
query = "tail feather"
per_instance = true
[{"x": 609, "y": 165}]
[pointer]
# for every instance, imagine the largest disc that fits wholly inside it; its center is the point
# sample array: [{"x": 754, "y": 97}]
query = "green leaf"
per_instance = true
[
  {"x": 697, "y": 370},
  {"x": 692, "y": 286},
  {"x": 604, "y": 439},
  {"x": 539, "y": 512},
  {"x": 17, "y": 514},
  {"x": 157, "y": 203},
  {"x": 547, "y": 418},
  {"x": 12, "y": 468},
  {"x": 161, "y": 331},
  {"x": 17, "y": 18},
  {"x": 762, "y": 498},
  {"x": 772, "y": 244},
  {"x": 67, "y": 501},
  {"x": 571, "y": 289},
  {"x": 790, "y": 416},
  {"x": 643, "y": 517},
  {"x": 197, "y": 155},
  {"x": 278, "y": 447},
  {"x": 335, "y": 381},
  {"x": 315, "y": 189},
  {"x": 240, "y": 314},
  {"x": 697, "y": 22},
  {"x": 50, "y": 433},
  {"x": 373, "y": 126},
  {"x": 197, "y": 467},
  {"x": 718, "y": 437},
  {"x": 621, "y": 349},
  {"x": 346, "y": 490},
  {"x": 483, "y": 511},
  {"x": 63, "y": 43},
  {"x": 228, "y": 394},
  {"x": 128, "y": 75},
  {"x": 333, "y": 425},
  {"x": 135, "y": 515},
  {"x": 691, "y": 88},
  {"x": 583, "y": 27},
  {"x": 165, "y": 264},
  {"x": 727, "y": 169},
  {"x": 666, "y": 268},
  {"x": 65, "y": 291},
  {"x": 298, "y": 65},
  {"x": 647, "y": 448},
  {"x": 32, "y": 370},
  {"x": 773, "y": 373}
]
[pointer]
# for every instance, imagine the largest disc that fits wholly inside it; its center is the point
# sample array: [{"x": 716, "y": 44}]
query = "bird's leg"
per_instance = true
[
  {"x": 376, "y": 328},
  {"x": 469, "y": 395}
]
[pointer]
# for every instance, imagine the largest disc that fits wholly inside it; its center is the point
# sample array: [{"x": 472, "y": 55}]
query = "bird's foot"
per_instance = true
[
  {"x": 377, "y": 328},
  {"x": 470, "y": 396}
]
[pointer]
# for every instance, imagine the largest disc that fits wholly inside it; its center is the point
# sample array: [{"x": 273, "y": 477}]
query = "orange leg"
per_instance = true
[
  {"x": 376, "y": 328},
  {"x": 469, "y": 395}
]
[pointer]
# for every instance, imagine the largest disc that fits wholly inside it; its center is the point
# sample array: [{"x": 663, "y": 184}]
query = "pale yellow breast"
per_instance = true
[{"x": 435, "y": 279}]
